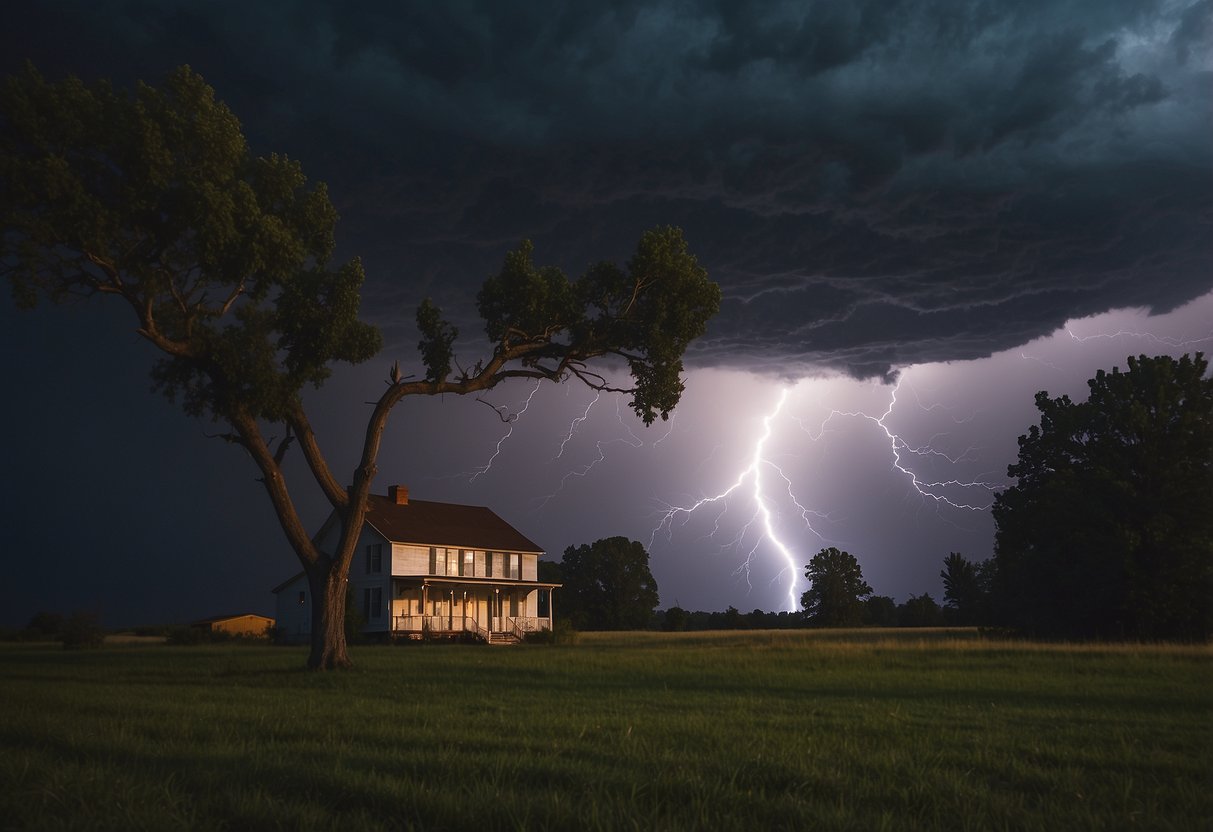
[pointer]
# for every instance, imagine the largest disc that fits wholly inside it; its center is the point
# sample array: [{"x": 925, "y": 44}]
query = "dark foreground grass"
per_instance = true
[{"x": 744, "y": 731}]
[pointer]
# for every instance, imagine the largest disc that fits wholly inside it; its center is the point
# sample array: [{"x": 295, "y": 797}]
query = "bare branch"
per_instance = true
[{"x": 503, "y": 412}]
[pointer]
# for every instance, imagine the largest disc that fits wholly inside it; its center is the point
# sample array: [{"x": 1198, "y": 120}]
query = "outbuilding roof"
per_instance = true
[{"x": 215, "y": 619}]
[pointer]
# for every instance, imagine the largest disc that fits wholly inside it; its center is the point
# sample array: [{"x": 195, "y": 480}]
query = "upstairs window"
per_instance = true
[{"x": 374, "y": 559}]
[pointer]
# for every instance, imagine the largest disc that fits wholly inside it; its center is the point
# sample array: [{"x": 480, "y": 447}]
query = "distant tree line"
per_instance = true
[{"x": 80, "y": 630}]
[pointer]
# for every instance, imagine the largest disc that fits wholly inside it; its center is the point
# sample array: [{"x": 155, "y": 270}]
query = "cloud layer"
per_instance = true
[{"x": 873, "y": 184}]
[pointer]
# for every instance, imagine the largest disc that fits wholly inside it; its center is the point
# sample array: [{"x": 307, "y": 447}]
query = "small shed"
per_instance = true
[{"x": 245, "y": 624}]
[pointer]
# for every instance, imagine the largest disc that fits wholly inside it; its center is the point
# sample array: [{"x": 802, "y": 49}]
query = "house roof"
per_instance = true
[{"x": 427, "y": 523}]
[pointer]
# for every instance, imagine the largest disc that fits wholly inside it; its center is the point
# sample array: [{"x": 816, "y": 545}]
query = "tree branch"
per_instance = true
[
  {"x": 333, "y": 490},
  {"x": 275, "y": 484}
]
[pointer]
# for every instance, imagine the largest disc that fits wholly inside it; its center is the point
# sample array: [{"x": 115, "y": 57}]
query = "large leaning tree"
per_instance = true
[
  {"x": 1108, "y": 531},
  {"x": 152, "y": 197}
]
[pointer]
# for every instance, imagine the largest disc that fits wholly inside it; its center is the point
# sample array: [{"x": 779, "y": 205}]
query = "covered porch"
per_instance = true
[{"x": 494, "y": 611}]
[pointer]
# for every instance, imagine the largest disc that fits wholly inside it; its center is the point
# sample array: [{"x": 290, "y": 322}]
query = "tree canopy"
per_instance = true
[
  {"x": 966, "y": 587},
  {"x": 153, "y": 196},
  {"x": 608, "y": 585},
  {"x": 837, "y": 589},
  {"x": 1108, "y": 531}
]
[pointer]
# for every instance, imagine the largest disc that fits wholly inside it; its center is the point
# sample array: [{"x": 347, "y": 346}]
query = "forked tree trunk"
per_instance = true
[{"x": 328, "y": 585}]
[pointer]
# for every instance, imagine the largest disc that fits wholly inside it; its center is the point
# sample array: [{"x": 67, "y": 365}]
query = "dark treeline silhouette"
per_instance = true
[
  {"x": 877, "y": 611},
  {"x": 1108, "y": 532},
  {"x": 76, "y": 631}
]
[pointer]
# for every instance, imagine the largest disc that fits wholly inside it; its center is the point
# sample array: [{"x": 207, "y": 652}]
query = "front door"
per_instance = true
[{"x": 495, "y": 622}]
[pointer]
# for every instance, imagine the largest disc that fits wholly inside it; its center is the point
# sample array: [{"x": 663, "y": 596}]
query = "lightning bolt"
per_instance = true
[
  {"x": 511, "y": 420},
  {"x": 762, "y": 515},
  {"x": 632, "y": 440},
  {"x": 575, "y": 423},
  {"x": 1149, "y": 336},
  {"x": 898, "y": 446}
]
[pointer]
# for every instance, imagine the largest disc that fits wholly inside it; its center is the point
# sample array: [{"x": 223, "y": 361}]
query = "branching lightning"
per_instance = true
[
  {"x": 1161, "y": 340},
  {"x": 575, "y": 423},
  {"x": 511, "y": 419},
  {"x": 898, "y": 446},
  {"x": 631, "y": 440},
  {"x": 762, "y": 511}
]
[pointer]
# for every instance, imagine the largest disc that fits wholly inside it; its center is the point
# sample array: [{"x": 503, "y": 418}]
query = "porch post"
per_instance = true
[
  {"x": 551, "y": 607},
  {"x": 425, "y": 603}
]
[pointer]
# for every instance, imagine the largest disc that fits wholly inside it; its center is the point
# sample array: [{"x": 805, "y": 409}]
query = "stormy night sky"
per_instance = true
[{"x": 920, "y": 213}]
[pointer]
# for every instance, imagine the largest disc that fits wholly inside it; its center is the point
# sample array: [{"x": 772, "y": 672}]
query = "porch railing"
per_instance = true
[
  {"x": 438, "y": 624},
  {"x": 518, "y": 626}
]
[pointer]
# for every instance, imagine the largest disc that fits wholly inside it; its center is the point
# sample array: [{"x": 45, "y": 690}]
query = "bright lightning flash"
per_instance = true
[
  {"x": 901, "y": 452},
  {"x": 762, "y": 511}
]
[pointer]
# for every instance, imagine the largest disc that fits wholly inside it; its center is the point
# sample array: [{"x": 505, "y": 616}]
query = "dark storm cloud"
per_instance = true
[{"x": 873, "y": 184}]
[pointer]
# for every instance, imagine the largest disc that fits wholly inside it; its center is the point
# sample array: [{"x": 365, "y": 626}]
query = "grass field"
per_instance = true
[{"x": 761, "y": 730}]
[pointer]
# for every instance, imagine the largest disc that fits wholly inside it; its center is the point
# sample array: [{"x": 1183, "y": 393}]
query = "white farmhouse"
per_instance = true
[{"x": 424, "y": 569}]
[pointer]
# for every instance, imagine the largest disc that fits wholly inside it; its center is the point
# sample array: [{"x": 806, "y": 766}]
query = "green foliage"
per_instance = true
[
  {"x": 153, "y": 196},
  {"x": 675, "y": 620},
  {"x": 880, "y": 611},
  {"x": 966, "y": 588},
  {"x": 563, "y": 633},
  {"x": 646, "y": 316},
  {"x": 82, "y": 631},
  {"x": 43, "y": 626},
  {"x": 837, "y": 589},
  {"x": 607, "y": 586},
  {"x": 437, "y": 338},
  {"x": 919, "y": 611},
  {"x": 1109, "y": 529}
]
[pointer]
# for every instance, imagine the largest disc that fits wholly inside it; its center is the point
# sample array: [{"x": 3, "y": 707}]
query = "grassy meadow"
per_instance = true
[{"x": 753, "y": 730}]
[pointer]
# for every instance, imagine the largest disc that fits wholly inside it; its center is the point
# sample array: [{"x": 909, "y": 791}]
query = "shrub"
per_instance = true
[
  {"x": 82, "y": 631},
  {"x": 563, "y": 632}
]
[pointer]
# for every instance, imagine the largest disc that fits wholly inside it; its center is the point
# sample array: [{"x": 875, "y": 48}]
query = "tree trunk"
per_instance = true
[{"x": 328, "y": 585}]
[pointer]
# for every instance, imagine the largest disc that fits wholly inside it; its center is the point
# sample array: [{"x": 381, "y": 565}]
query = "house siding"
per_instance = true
[
  {"x": 294, "y": 619},
  {"x": 410, "y": 560}
]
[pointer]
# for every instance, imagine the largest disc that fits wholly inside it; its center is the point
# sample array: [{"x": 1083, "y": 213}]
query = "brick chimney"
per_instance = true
[{"x": 398, "y": 494}]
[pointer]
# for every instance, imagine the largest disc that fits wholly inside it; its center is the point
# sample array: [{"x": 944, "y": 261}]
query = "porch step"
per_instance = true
[{"x": 502, "y": 638}]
